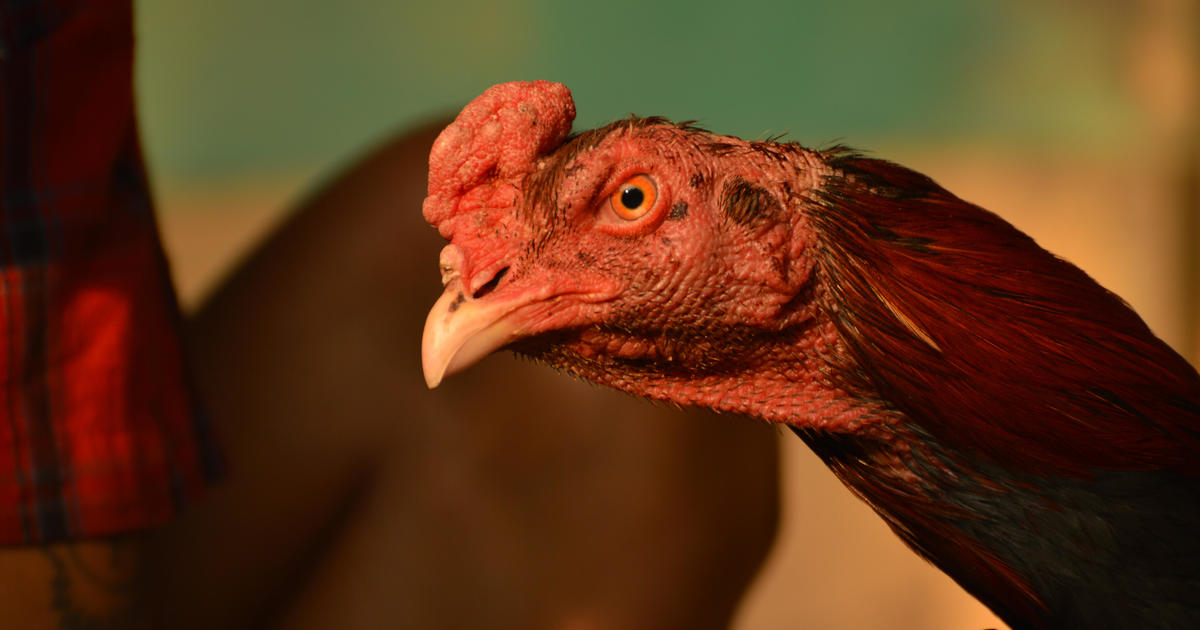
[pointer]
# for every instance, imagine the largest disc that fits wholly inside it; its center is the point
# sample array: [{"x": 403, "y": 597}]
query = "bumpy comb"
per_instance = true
[{"x": 498, "y": 136}]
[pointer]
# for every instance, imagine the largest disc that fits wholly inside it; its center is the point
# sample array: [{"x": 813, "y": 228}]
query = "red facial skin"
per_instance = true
[{"x": 621, "y": 293}]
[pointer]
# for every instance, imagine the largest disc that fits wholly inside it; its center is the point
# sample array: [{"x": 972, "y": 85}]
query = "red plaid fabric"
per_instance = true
[{"x": 99, "y": 431}]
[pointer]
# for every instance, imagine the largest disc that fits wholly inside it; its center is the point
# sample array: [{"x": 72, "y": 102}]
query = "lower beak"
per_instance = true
[{"x": 460, "y": 331}]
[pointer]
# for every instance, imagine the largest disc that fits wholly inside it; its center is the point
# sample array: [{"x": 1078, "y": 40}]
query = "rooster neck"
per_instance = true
[
  {"x": 1111, "y": 551},
  {"x": 788, "y": 376},
  {"x": 1041, "y": 446}
]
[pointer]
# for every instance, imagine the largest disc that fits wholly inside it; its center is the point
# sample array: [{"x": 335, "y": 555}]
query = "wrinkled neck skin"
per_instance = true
[{"x": 786, "y": 376}]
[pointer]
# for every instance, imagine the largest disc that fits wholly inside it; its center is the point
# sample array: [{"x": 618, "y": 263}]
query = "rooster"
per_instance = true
[{"x": 1011, "y": 420}]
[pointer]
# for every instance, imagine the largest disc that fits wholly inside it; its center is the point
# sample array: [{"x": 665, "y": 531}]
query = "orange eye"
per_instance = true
[{"x": 634, "y": 198}]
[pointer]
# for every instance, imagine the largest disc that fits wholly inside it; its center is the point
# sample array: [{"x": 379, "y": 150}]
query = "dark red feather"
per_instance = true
[{"x": 990, "y": 343}]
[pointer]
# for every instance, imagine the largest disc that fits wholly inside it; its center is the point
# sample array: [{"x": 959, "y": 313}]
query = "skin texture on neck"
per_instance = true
[{"x": 781, "y": 376}]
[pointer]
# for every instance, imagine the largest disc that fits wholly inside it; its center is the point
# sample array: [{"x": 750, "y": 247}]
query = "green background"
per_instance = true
[{"x": 231, "y": 87}]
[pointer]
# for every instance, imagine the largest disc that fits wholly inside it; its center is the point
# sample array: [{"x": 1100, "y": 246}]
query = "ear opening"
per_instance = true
[{"x": 746, "y": 203}]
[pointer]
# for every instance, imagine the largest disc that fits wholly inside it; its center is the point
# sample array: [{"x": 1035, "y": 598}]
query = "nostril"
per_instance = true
[
  {"x": 490, "y": 285},
  {"x": 449, "y": 262}
]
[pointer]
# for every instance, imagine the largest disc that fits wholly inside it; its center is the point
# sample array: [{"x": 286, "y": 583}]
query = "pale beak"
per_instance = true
[{"x": 460, "y": 331}]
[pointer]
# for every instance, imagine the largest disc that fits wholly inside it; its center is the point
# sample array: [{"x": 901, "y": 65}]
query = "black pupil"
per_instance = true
[{"x": 632, "y": 197}]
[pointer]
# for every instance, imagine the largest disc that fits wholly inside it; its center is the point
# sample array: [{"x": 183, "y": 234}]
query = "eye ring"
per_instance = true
[{"x": 633, "y": 198}]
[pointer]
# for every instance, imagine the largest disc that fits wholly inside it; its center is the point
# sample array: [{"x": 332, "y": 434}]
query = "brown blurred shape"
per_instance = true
[{"x": 511, "y": 497}]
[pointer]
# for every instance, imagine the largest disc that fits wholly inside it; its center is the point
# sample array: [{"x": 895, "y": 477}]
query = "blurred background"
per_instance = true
[{"x": 1076, "y": 120}]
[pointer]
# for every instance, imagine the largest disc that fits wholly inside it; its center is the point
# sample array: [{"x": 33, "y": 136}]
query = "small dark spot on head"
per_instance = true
[
  {"x": 678, "y": 211},
  {"x": 585, "y": 258},
  {"x": 696, "y": 180},
  {"x": 458, "y": 300}
]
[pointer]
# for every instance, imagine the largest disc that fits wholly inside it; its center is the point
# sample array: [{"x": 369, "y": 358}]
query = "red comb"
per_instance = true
[{"x": 500, "y": 134}]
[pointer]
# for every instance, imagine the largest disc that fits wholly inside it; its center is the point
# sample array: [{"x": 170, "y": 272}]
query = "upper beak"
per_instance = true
[{"x": 460, "y": 331}]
